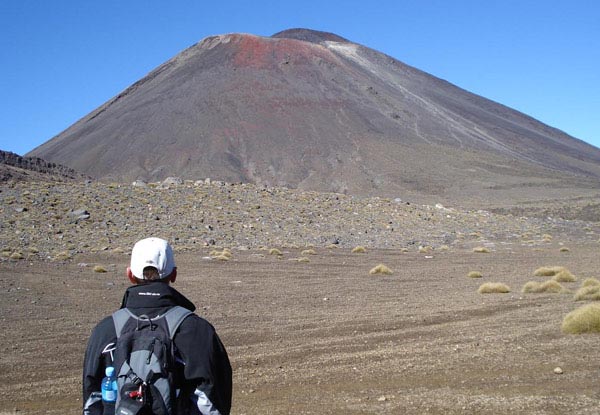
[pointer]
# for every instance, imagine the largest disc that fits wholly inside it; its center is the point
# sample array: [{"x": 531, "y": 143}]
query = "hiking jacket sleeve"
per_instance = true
[
  {"x": 207, "y": 369},
  {"x": 93, "y": 366}
]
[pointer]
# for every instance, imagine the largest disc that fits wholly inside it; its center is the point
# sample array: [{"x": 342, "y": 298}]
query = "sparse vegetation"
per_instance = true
[
  {"x": 564, "y": 276},
  {"x": 481, "y": 250},
  {"x": 475, "y": 274},
  {"x": 493, "y": 288},
  {"x": 549, "y": 286},
  {"x": 275, "y": 251},
  {"x": 380, "y": 269},
  {"x": 585, "y": 319},
  {"x": 588, "y": 293},
  {"x": 588, "y": 282},
  {"x": 359, "y": 250},
  {"x": 425, "y": 249},
  {"x": 548, "y": 271}
]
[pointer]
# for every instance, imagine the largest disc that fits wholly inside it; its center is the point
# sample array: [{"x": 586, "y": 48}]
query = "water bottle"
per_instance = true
[{"x": 109, "y": 391}]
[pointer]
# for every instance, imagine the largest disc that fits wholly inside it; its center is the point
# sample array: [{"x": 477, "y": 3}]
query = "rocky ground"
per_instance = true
[
  {"x": 317, "y": 335},
  {"x": 56, "y": 221}
]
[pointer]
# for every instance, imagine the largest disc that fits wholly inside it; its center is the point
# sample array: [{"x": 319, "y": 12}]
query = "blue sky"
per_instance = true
[{"x": 60, "y": 59}]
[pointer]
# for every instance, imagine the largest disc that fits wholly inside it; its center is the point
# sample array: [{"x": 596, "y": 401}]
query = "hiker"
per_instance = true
[{"x": 199, "y": 380}]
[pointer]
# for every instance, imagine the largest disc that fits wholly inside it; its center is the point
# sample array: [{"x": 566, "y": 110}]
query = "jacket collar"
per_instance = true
[{"x": 154, "y": 295}]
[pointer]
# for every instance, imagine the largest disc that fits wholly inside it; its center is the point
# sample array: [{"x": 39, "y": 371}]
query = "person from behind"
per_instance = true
[{"x": 158, "y": 356}]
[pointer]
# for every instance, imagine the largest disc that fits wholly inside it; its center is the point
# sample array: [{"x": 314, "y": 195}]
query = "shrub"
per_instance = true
[
  {"x": 16, "y": 255},
  {"x": 275, "y": 251},
  {"x": 474, "y": 274},
  {"x": 359, "y": 250},
  {"x": 309, "y": 252},
  {"x": 493, "y": 287},
  {"x": 588, "y": 293},
  {"x": 99, "y": 268},
  {"x": 585, "y": 319},
  {"x": 425, "y": 249},
  {"x": 380, "y": 269},
  {"x": 222, "y": 257},
  {"x": 481, "y": 250},
  {"x": 550, "y": 286},
  {"x": 564, "y": 249}
]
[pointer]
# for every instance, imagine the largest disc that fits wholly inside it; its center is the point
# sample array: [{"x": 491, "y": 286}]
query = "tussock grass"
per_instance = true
[
  {"x": 331, "y": 246},
  {"x": 475, "y": 274},
  {"x": 493, "y": 288},
  {"x": 425, "y": 249},
  {"x": 309, "y": 251},
  {"x": 585, "y": 319},
  {"x": 564, "y": 276},
  {"x": 403, "y": 249},
  {"x": 588, "y": 282},
  {"x": 380, "y": 269},
  {"x": 588, "y": 293},
  {"x": 549, "y": 286},
  {"x": 564, "y": 249},
  {"x": 16, "y": 255},
  {"x": 359, "y": 250},
  {"x": 100, "y": 269},
  {"x": 223, "y": 255},
  {"x": 548, "y": 271},
  {"x": 481, "y": 250},
  {"x": 62, "y": 256},
  {"x": 275, "y": 251}
]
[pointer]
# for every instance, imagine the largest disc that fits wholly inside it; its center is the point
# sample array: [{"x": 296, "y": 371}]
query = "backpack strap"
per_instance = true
[
  {"x": 120, "y": 318},
  {"x": 174, "y": 317}
]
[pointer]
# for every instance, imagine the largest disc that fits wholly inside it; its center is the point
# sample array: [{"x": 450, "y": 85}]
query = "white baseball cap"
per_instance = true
[{"x": 152, "y": 252}]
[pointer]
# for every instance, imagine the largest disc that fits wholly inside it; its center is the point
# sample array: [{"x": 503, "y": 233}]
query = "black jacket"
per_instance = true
[{"x": 207, "y": 371}]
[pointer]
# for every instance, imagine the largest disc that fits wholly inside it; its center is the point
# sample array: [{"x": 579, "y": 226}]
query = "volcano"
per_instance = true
[{"x": 313, "y": 110}]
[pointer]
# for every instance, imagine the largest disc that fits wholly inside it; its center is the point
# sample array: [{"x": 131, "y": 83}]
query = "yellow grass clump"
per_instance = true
[
  {"x": 359, "y": 250},
  {"x": 493, "y": 288},
  {"x": 588, "y": 293},
  {"x": 475, "y": 274},
  {"x": 425, "y": 249},
  {"x": 549, "y": 286},
  {"x": 16, "y": 255},
  {"x": 564, "y": 276},
  {"x": 585, "y": 319},
  {"x": 332, "y": 246},
  {"x": 275, "y": 251},
  {"x": 223, "y": 255},
  {"x": 564, "y": 249},
  {"x": 62, "y": 256},
  {"x": 481, "y": 250},
  {"x": 588, "y": 282},
  {"x": 380, "y": 269},
  {"x": 548, "y": 271},
  {"x": 309, "y": 252},
  {"x": 100, "y": 269}
]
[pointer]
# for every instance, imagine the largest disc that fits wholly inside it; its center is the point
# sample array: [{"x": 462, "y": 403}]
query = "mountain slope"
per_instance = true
[{"x": 312, "y": 110}]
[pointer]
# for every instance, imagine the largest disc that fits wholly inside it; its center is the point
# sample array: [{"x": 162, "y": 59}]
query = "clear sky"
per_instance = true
[{"x": 60, "y": 59}]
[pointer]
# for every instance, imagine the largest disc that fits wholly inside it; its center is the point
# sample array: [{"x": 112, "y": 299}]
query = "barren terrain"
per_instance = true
[{"x": 325, "y": 337}]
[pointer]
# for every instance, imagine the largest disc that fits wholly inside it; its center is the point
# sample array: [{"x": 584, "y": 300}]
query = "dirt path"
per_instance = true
[{"x": 326, "y": 337}]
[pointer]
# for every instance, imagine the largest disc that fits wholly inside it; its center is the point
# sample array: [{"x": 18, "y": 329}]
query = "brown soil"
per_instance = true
[{"x": 325, "y": 337}]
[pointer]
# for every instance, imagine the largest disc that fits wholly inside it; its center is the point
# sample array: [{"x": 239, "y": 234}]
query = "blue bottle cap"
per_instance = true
[{"x": 110, "y": 371}]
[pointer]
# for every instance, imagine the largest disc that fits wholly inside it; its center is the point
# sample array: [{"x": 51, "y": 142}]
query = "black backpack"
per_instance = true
[{"x": 144, "y": 361}]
